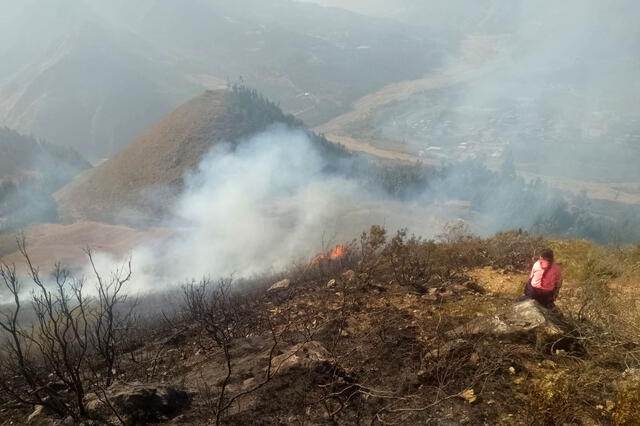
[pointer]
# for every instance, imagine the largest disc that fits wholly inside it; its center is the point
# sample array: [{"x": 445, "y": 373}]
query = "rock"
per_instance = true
[
  {"x": 332, "y": 283},
  {"x": 306, "y": 356},
  {"x": 280, "y": 285},
  {"x": 140, "y": 403},
  {"x": 349, "y": 276},
  {"x": 526, "y": 320},
  {"x": 458, "y": 288},
  {"x": 249, "y": 383},
  {"x": 37, "y": 413}
]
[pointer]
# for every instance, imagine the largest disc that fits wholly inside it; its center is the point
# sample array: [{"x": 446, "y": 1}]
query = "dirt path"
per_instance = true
[{"x": 356, "y": 145}]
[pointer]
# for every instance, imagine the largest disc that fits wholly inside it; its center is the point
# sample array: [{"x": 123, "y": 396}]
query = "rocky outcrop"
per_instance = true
[
  {"x": 139, "y": 403},
  {"x": 310, "y": 356},
  {"x": 524, "y": 321},
  {"x": 279, "y": 286}
]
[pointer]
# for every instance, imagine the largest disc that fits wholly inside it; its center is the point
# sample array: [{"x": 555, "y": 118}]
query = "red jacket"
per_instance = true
[{"x": 552, "y": 275}]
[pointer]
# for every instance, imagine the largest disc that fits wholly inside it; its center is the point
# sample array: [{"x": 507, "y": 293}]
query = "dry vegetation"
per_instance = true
[{"x": 369, "y": 338}]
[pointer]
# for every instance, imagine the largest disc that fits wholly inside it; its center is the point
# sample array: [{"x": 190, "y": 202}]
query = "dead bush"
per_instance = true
[
  {"x": 514, "y": 250},
  {"x": 223, "y": 316},
  {"x": 74, "y": 345}
]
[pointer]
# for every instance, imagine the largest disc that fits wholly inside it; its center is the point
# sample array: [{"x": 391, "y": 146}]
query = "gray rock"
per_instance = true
[
  {"x": 307, "y": 356},
  {"x": 526, "y": 320},
  {"x": 38, "y": 412},
  {"x": 280, "y": 285}
]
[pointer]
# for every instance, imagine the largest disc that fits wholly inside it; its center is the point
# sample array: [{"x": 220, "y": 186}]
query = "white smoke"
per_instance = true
[{"x": 259, "y": 205}]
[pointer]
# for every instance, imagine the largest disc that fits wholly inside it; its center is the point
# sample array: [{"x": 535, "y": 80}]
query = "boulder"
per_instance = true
[
  {"x": 310, "y": 356},
  {"x": 140, "y": 403},
  {"x": 526, "y": 320},
  {"x": 309, "y": 363},
  {"x": 280, "y": 285}
]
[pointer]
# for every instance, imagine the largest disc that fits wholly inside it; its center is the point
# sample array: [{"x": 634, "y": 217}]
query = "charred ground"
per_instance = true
[{"x": 395, "y": 331}]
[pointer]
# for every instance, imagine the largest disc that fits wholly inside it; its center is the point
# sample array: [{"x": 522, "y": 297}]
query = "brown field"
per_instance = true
[{"x": 51, "y": 243}]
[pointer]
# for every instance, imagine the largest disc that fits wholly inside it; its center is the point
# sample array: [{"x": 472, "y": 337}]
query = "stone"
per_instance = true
[
  {"x": 140, "y": 403},
  {"x": 307, "y": 356},
  {"x": 349, "y": 276},
  {"x": 280, "y": 285},
  {"x": 526, "y": 320},
  {"x": 38, "y": 412}
]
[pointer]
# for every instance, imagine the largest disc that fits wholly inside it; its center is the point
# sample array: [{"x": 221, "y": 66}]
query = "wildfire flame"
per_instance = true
[{"x": 334, "y": 254}]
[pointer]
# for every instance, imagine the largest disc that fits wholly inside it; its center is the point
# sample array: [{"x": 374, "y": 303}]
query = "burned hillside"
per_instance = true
[{"x": 389, "y": 329}]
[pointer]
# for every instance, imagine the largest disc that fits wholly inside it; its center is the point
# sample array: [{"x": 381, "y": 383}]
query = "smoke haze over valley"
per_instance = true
[{"x": 319, "y": 212}]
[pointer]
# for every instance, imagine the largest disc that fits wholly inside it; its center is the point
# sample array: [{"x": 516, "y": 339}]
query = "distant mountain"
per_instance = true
[
  {"x": 93, "y": 88},
  {"x": 30, "y": 171},
  {"x": 142, "y": 179},
  {"x": 104, "y": 71}
]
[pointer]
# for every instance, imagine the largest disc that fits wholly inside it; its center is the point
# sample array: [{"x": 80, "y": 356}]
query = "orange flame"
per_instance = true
[
  {"x": 338, "y": 252},
  {"x": 334, "y": 254}
]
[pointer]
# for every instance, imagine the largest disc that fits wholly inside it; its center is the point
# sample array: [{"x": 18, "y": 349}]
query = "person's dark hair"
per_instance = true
[{"x": 547, "y": 254}]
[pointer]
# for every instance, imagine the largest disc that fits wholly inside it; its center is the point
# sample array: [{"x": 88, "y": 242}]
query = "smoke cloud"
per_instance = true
[{"x": 259, "y": 205}]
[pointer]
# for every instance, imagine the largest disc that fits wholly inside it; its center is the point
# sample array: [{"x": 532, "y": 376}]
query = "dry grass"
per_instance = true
[{"x": 385, "y": 321}]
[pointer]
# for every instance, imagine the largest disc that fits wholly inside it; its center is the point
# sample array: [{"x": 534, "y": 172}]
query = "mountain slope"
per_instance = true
[
  {"x": 103, "y": 72},
  {"x": 90, "y": 90},
  {"x": 141, "y": 179},
  {"x": 30, "y": 171}
]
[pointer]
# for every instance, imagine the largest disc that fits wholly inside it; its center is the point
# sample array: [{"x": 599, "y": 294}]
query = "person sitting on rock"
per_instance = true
[{"x": 545, "y": 280}]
